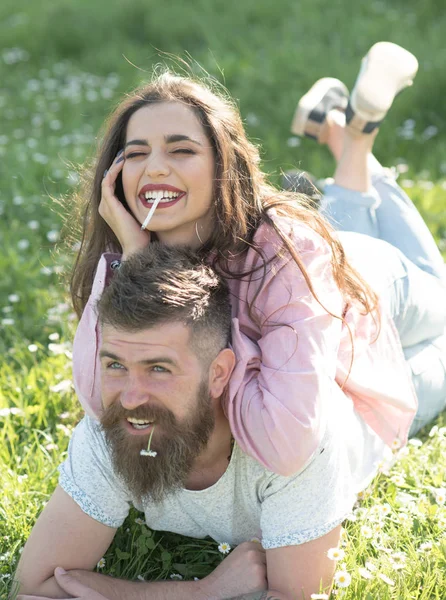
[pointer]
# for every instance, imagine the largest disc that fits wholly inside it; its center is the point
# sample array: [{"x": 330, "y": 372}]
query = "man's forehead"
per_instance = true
[{"x": 169, "y": 336}]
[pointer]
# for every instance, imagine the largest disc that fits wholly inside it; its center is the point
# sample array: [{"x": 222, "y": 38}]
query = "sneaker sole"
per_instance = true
[
  {"x": 314, "y": 105},
  {"x": 385, "y": 71}
]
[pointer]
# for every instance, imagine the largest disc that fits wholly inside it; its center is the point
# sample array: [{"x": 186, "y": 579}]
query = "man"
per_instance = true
[{"x": 165, "y": 446}]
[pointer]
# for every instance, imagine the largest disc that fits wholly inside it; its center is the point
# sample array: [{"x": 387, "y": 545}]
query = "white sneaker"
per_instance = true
[
  {"x": 385, "y": 71},
  {"x": 325, "y": 95}
]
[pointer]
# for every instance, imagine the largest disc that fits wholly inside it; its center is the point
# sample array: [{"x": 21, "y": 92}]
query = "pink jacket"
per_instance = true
[{"x": 291, "y": 360}]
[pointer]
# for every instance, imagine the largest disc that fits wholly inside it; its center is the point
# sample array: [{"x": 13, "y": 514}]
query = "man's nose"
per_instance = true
[{"x": 135, "y": 394}]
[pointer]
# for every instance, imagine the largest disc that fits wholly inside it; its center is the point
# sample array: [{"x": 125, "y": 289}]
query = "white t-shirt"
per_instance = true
[{"x": 248, "y": 501}]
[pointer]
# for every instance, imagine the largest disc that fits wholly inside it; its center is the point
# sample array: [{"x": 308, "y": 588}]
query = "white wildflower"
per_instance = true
[
  {"x": 415, "y": 442},
  {"x": 342, "y": 579},
  {"x": 52, "y": 236},
  {"x": 440, "y": 496},
  {"x": 386, "y": 579},
  {"x": 23, "y": 244},
  {"x": 433, "y": 431},
  {"x": 366, "y": 532},
  {"x": 365, "y": 573},
  {"x": 224, "y": 548},
  {"x": 61, "y": 387},
  {"x": 398, "y": 480},
  {"x": 336, "y": 554},
  {"x": 425, "y": 547}
]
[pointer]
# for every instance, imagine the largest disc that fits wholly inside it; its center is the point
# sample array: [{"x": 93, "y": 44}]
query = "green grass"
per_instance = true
[{"x": 75, "y": 60}]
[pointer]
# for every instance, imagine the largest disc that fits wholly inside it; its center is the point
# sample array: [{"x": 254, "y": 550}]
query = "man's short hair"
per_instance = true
[{"x": 163, "y": 284}]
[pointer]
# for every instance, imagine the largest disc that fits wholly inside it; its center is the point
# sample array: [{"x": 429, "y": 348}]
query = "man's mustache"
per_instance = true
[{"x": 147, "y": 412}]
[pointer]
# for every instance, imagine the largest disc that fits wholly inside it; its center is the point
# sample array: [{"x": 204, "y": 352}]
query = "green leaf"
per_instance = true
[{"x": 122, "y": 555}]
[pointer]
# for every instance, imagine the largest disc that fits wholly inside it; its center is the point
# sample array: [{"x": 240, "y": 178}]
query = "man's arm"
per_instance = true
[
  {"x": 63, "y": 536},
  {"x": 241, "y": 573},
  {"x": 299, "y": 571}
]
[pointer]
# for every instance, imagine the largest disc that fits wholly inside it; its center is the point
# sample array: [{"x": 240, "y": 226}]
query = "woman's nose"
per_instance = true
[{"x": 157, "y": 165}]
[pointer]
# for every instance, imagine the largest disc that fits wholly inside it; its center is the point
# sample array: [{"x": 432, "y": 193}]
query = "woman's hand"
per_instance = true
[{"x": 124, "y": 225}]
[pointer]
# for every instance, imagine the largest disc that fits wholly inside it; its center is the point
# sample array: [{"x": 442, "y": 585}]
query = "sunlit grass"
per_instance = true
[{"x": 62, "y": 72}]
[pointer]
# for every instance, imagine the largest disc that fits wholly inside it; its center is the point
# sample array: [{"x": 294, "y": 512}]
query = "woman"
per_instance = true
[{"x": 306, "y": 324}]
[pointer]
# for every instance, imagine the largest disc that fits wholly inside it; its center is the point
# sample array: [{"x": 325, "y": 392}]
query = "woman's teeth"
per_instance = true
[
  {"x": 162, "y": 196},
  {"x": 139, "y": 423}
]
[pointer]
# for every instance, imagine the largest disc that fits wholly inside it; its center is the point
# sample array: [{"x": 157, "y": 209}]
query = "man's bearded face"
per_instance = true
[{"x": 176, "y": 442}]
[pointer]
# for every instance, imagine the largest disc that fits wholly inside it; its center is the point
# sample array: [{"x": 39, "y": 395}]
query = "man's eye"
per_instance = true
[
  {"x": 159, "y": 369},
  {"x": 114, "y": 366}
]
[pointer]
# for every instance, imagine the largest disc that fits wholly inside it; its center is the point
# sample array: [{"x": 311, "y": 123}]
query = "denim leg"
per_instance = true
[
  {"x": 400, "y": 224},
  {"x": 427, "y": 362},
  {"x": 386, "y": 213},
  {"x": 348, "y": 210},
  {"x": 414, "y": 299}
]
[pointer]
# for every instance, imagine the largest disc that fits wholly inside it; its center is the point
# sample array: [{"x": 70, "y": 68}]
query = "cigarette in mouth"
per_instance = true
[{"x": 151, "y": 211}]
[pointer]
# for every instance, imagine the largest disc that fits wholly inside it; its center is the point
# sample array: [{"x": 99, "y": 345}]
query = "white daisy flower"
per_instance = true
[
  {"x": 176, "y": 576},
  {"x": 151, "y": 453},
  {"x": 398, "y": 480},
  {"x": 342, "y": 579},
  {"x": 101, "y": 563},
  {"x": 319, "y": 596},
  {"x": 396, "y": 444},
  {"x": 366, "y": 532},
  {"x": 440, "y": 496},
  {"x": 425, "y": 547},
  {"x": 336, "y": 554},
  {"x": 224, "y": 548}
]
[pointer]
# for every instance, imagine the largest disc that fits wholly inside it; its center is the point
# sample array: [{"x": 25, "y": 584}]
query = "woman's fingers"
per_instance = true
[
  {"x": 110, "y": 175},
  {"x": 126, "y": 228}
]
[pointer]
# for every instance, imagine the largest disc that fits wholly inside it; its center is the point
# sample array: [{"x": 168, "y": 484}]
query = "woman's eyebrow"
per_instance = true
[
  {"x": 136, "y": 143},
  {"x": 169, "y": 139},
  {"x": 179, "y": 137}
]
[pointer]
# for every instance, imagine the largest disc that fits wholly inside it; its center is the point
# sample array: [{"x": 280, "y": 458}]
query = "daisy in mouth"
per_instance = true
[{"x": 148, "y": 452}]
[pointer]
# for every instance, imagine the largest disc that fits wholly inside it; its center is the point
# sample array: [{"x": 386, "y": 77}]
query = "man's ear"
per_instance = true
[{"x": 220, "y": 372}]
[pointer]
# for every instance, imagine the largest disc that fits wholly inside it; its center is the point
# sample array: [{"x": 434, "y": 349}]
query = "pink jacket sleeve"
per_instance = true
[
  {"x": 283, "y": 381},
  {"x": 86, "y": 364}
]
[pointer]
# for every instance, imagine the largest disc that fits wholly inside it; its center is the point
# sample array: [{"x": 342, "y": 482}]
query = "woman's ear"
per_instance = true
[{"x": 220, "y": 372}]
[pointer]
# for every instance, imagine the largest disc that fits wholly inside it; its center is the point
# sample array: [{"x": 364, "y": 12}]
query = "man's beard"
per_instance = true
[{"x": 177, "y": 445}]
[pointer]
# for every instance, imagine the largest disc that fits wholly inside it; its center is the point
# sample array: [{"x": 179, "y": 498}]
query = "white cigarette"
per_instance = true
[{"x": 152, "y": 210}]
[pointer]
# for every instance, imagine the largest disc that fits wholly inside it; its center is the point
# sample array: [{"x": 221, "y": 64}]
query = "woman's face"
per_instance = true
[{"x": 168, "y": 154}]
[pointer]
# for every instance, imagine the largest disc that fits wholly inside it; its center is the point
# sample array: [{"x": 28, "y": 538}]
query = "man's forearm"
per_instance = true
[{"x": 120, "y": 589}]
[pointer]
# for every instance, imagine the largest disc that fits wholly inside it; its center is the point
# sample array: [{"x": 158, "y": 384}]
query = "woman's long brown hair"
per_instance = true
[{"x": 242, "y": 195}]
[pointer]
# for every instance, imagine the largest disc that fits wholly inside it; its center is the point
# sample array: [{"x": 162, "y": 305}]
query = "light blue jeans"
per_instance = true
[{"x": 412, "y": 275}]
